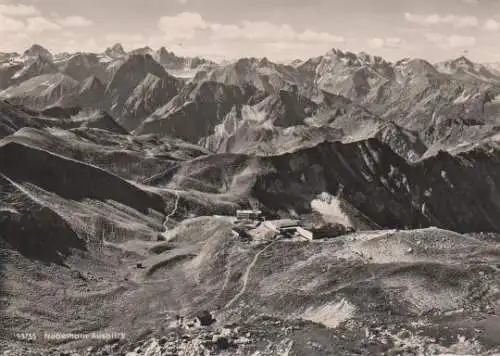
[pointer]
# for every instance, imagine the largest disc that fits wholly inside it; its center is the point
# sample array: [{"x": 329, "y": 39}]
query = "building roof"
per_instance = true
[{"x": 284, "y": 223}]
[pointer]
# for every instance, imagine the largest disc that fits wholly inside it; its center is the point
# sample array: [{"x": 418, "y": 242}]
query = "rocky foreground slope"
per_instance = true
[
  {"x": 120, "y": 179},
  {"x": 83, "y": 207}
]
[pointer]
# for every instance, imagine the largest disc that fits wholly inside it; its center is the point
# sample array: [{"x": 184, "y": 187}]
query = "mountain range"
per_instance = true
[{"x": 121, "y": 173}]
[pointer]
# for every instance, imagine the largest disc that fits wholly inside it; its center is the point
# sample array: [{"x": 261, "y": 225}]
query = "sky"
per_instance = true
[{"x": 280, "y": 30}]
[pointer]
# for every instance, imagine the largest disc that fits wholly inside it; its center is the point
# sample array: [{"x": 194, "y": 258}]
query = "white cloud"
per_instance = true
[
  {"x": 187, "y": 25},
  {"x": 267, "y": 31},
  {"x": 262, "y": 30},
  {"x": 123, "y": 37},
  {"x": 246, "y": 38},
  {"x": 181, "y": 26},
  {"x": 466, "y": 21},
  {"x": 462, "y": 41},
  {"x": 394, "y": 42},
  {"x": 255, "y": 31},
  {"x": 314, "y": 36},
  {"x": 390, "y": 42},
  {"x": 437, "y": 19},
  {"x": 74, "y": 21},
  {"x": 286, "y": 45},
  {"x": 71, "y": 34},
  {"x": 451, "y": 42},
  {"x": 226, "y": 32},
  {"x": 492, "y": 25},
  {"x": 89, "y": 44},
  {"x": 18, "y": 10},
  {"x": 40, "y": 24},
  {"x": 8, "y": 24},
  {"x": 376, "y": 42}
]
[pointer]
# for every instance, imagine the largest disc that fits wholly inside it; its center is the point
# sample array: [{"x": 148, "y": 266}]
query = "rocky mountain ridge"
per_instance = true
[{"x": 121, "y": 179}]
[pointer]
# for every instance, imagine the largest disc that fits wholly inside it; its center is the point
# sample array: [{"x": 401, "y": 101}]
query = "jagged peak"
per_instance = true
[
  {"x": 118, "y": 47},
  {"x": 80, "y": 55},
  {"x": 116, "y": 50},
  {"x": 417, "y": 65},
  {"x": 372, "y": 59},
  {"x": 402, "y": 61},
  {"x": 143, "y": 50},
  {"x": 336, "y": 51},
  {"x": 38, "y": 50},
  {"x": 162, "y": 49},
  {"x": 459, "y": 62},
  {"x": 246, "y": 61},
  {"x": 351, "y": 59},
  {"x": 463, "y": 60},
  {"x": 265, "y": 62}
]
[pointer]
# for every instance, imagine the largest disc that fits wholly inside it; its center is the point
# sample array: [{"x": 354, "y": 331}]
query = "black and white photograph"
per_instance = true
[{"x": 249, "y": 178}]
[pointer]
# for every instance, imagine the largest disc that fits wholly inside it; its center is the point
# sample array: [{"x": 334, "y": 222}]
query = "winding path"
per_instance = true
[
  {"x": 247, "y": 275},
  {"x": 172, "y": 213}
]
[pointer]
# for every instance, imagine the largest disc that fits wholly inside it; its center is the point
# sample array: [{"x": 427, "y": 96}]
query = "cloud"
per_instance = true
[
  {"x": 491, "y": 25},
  {"x": 68, "y": 45},
  {"x": 391, "y": 42},
  {"x": 253, "y": 30},
  {"x": 453, "y": 20},
  {"x": 309, "y": 35},
  {"x": 267, "y": 31},
  {"x": 71, "y": 34},
  {"x": 8, "y": 24},
  {"x": 437, "y": 19},
  {"x": 466, "y": 21},
  {"x": 41, "y": 24},
  {"x": 451, "y": 42},
  {"x": 123, "y": 37},
  {"x": 182, "y": 26},
  {"x": 18, "y": 10},
  {"x": 245, "y": 38},
  {"x": 187, "y": 25},
  {"x": 74, "y": 21}
]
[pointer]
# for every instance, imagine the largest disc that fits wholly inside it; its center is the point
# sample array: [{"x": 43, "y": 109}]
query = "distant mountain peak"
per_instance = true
[
  {"x": 402, "y": 61},
  {"x": 336, "y": 51},
  {"x": 163, "y": 52},
  {"x": 143, "y": 50},
  {"x": 463, "y": 60},
  {"x": 457, "y": 63},
  {"x": 265, "y": 61},
  {"x": 38, "y": 50},
  {"x": 35, "y": 66},
  {"x": 116, "y": 51},
  {"x": 366, "y": 57},
  {"x": 417, "y": 63},
  {"x": 138, "y": 57},
  {"x": 118, "y": 47}
]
